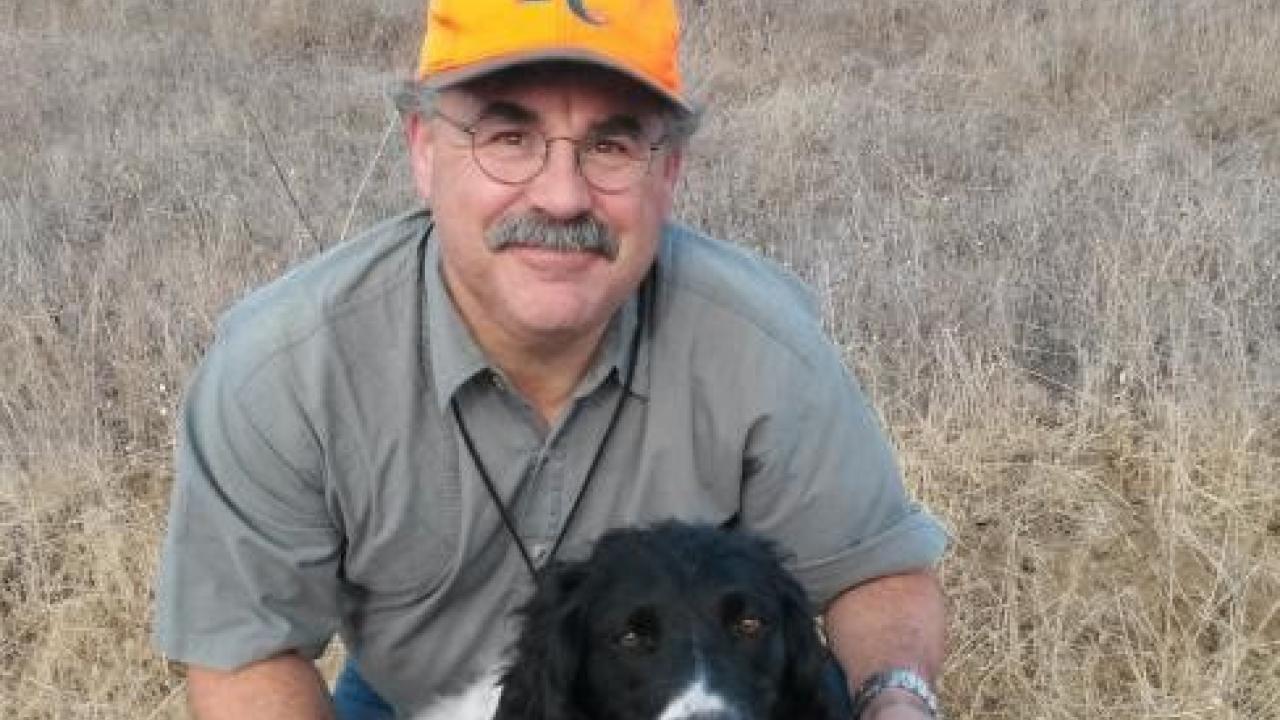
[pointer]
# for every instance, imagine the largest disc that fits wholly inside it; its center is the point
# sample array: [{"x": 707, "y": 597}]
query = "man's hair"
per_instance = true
[{"x": 412, "y": 97}]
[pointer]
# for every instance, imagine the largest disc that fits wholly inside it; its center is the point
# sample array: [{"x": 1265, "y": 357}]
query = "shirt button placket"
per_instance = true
[
  {"x": 555, "y": 491},
  {"x": 544, "y": 504}
]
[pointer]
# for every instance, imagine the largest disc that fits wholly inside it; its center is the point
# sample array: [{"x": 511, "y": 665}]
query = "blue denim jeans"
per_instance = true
[{"x": 355, "y": 700}]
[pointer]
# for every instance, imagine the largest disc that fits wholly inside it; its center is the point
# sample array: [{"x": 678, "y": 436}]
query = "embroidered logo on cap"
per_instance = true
[{"x": 578, "y": 9}]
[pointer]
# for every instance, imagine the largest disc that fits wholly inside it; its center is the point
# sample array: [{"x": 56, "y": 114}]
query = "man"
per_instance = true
[{"x": 386, "y": 442}]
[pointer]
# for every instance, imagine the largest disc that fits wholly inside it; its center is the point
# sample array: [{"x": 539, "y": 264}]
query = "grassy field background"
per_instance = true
[{"x": 1046, "y": 233}]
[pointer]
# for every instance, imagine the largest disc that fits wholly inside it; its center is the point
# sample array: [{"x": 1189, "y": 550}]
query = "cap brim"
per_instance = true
[{"x": 449, "y": 78}]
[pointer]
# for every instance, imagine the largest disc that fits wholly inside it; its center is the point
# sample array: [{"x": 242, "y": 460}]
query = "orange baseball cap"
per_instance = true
[{"x": 469, "y": 38}]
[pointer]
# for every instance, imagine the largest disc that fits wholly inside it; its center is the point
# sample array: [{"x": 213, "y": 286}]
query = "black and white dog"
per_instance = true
[{"x": 674, "y": 622}]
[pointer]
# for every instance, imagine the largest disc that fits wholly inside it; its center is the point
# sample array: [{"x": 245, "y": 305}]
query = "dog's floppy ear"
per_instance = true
[
  {"x": 808, "y": 690},
  {"x": 540, "y": 682}
]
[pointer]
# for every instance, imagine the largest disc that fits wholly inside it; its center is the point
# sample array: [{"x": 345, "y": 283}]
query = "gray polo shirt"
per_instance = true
[{"x": 323, "y": 487}]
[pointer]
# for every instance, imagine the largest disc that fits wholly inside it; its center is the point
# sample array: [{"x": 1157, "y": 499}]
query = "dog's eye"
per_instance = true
[
  {"x": 748, "y": 627},
  {"x": 640, "y": 630},
  {"x": 636, "y": 641}
]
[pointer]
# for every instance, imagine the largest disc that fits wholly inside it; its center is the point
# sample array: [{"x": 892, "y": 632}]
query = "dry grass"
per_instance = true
[{"x": 1047, "y": 233}]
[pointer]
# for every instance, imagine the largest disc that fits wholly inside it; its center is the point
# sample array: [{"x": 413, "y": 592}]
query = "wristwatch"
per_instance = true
[{"x": 899, "y": 679}]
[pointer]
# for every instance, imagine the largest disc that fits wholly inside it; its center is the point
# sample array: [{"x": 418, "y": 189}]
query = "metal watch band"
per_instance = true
[{"x": 900, "y": 679}]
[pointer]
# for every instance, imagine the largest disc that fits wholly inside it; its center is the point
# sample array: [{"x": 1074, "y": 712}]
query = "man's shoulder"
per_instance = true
[
  {"x": 316, "y": 294},
  {"x": 738, "y": 283}
]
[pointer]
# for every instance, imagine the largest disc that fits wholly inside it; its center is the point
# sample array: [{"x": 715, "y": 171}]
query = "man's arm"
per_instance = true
[
  {"x": 897, "y": 621},
  {"x": 284, "y": 687}
]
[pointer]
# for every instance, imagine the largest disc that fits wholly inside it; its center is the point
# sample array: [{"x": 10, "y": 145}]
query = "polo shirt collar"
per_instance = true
[
  {"x": 456, "y": 358},
  {"x": 614, "y": 358}
]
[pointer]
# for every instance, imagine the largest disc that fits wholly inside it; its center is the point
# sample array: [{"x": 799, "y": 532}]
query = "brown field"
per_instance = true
[{"x": 1046, "y": 232}]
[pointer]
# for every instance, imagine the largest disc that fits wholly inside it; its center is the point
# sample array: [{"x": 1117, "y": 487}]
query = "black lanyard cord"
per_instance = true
[
  {"x": 507, "y": 521},
  {"x": 503, "y": 511}
]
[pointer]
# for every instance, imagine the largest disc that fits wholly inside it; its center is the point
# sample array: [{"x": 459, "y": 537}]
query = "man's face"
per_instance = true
[{"x": 522, "y": 293}]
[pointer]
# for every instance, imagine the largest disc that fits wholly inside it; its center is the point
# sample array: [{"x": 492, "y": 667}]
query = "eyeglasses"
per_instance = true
[{"x": 513, "y": 152}]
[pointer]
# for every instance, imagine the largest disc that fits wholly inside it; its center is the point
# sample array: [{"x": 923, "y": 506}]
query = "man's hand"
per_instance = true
[
  {"x": 285, "y": 687},
  {"x": 897, "y": 712}
]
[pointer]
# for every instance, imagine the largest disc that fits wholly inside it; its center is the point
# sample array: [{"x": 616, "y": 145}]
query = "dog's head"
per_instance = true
[{"x": 673, "y": 622}]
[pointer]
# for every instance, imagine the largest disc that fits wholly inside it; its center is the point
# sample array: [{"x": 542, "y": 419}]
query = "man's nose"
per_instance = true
[{"x": 560, "y": 190}]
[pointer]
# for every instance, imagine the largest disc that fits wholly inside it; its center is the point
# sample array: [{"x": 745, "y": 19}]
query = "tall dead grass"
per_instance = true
[{"x": 1046, "y": 233}]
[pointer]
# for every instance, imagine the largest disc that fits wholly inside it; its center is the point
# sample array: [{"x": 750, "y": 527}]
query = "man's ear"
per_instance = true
[
  {"x": 668, "y": 171},
  {"x": 672, "y": 163},
  {"x": 418, "y": 136}
]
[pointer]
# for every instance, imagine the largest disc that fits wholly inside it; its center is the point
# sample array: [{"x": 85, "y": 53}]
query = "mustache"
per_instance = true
[{"x": 581, "y": 234}]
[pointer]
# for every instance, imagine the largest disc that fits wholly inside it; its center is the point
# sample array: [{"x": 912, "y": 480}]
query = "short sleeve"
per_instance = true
[
  {"x": 250, "y": 561},
  {"x": 821, "y": 479}
]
